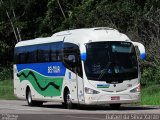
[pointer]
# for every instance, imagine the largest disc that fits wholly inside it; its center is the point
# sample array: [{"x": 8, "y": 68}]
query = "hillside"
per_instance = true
[{"x": 28, "y": 19}]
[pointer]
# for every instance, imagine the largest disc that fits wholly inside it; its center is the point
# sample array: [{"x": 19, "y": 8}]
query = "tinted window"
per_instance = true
[
  {"x": 20, "y": 55},
  {"x": 16, "y": 55},
  {"x": 111, "y": 61},
  {"x": 56, "y": 51},
  {"x": 39, "y": 53},
  {"x": 71, "y": 58},
  {"x": 31, "y": 54},
  {"x": 44, "y": 53}
]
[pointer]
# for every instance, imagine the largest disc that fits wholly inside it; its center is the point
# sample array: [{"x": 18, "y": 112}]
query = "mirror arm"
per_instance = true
[
  {"x": 141, "y": 49},
  {"x": 83, "y": 52}
]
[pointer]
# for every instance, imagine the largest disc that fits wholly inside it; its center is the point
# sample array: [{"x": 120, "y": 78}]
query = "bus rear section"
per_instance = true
[{"x": 111, "y": 73}]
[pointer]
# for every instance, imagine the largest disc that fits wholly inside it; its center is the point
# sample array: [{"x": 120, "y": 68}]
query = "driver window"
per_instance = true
[{"x": 71, "y": 58}]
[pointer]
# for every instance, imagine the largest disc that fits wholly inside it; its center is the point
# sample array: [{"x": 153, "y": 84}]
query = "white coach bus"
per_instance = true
[{"x": 92, "y": 66}]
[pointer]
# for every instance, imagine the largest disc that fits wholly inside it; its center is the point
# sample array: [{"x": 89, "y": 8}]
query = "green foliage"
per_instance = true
[
  {"x": 147, "y": 76},
  {"x": 5, "y": 74},
  {"x": 150, "y": 95},
  {"x": 6, "y": 89},
  {"x": 156, "y": 76},
  {"x": 34, "y": 18}
]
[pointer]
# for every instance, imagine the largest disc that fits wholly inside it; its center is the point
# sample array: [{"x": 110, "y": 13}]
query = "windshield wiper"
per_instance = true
[
  {"x": 105, "y": 68},
  {"x": 104, "y": 71}
]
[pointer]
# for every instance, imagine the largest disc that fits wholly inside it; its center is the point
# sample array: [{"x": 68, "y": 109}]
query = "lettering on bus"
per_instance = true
[{"x": 54, "y": 69}]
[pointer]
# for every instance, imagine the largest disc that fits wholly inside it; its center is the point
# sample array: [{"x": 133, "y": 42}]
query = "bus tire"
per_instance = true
[
  {"x": 115, "y": 106},
  {"x": 67, "y": 100},
  {"x": 29, "y": 99}
]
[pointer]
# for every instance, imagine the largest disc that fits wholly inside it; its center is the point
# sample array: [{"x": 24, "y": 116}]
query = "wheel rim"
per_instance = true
[
  {"x": 68, "y": 99},
  {"x": 29, "y": 97}
]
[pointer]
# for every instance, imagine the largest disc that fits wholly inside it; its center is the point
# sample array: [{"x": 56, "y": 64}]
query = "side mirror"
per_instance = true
[
  {"x": 72, "y": 58},
  {"x": 141, "y": 50}
]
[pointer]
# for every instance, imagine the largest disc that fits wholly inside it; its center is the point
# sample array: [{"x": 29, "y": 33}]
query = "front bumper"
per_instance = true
[{"x": 91, "y": 99}]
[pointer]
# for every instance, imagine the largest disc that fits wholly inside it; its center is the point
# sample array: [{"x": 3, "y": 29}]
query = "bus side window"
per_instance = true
[
  {"x": 44, "y": 53},
  {"x": 71, "y": 58},
  {"x": 59, "y": 51},
  {"x": 53, "y": 53},
  {"x": 20, "y": 55},
  {"x": 56, "y": 51},
  {"x": 16, "y": 56},
  {"x": 22, "y": 58},
  {"x": 31, "y": 54}
]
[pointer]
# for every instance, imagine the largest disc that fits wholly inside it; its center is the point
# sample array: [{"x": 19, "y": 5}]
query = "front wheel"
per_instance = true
[{"x": 67, "y": 100}]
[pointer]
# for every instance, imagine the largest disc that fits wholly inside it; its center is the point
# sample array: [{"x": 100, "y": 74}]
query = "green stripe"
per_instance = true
[{"x": 45, "y": 86}]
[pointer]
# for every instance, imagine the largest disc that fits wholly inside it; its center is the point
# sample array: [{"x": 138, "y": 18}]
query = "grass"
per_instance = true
[
  {"x": 150, "y": 95},
  {"x": 6, "y": 90}
]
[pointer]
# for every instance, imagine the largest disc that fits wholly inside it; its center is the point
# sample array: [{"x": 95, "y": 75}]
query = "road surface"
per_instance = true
[{"x": 19, "y": 110}]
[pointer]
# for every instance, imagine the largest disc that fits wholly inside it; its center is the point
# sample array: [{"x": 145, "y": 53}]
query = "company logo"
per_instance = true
[
  {"x": 103, "y": 85},
  {"x": 54, "y": 69}
]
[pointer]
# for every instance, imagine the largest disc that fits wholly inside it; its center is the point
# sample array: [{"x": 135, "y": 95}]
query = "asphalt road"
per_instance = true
[{"x": 19, "y": 110}]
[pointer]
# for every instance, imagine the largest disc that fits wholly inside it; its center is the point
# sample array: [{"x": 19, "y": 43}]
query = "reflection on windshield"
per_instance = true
[{"x": 111, "y": 61}]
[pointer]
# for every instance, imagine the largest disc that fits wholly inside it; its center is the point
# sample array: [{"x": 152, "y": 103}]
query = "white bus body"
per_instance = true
[{"x": 92, "y": 66}]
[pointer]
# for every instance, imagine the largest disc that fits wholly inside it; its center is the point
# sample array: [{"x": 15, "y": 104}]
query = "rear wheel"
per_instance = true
[
  {"x": 29, "y": 97},
  {"x": 115, "y": 106},
  {"x": 30, "y": 101}
]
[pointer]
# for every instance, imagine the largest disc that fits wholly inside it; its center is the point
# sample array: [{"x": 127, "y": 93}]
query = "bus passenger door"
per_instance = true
[
  {"x": 80, "y": 83},
  {"x": 70, "y": 62}
]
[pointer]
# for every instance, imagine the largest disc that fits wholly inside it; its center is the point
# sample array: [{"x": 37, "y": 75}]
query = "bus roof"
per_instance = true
[{"x": 80, "y": 36}]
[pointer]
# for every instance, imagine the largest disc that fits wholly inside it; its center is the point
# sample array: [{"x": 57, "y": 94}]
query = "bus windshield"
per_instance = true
[{"x": 111, "y": 61}]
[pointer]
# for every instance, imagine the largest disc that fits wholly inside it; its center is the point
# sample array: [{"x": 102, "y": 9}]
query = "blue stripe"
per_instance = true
[{"x": 47, "y": 69}]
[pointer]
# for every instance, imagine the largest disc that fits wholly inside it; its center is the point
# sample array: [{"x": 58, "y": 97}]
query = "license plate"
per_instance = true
[{"x": 115, "y": 98}]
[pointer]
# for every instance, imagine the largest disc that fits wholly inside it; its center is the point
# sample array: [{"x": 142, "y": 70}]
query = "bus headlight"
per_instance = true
[
  {"x": 90, "y": 91},
  {"x": 137, "y": 89}
]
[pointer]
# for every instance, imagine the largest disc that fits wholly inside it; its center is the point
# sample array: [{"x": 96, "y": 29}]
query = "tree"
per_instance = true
[{"x": 15, "y": 29}]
